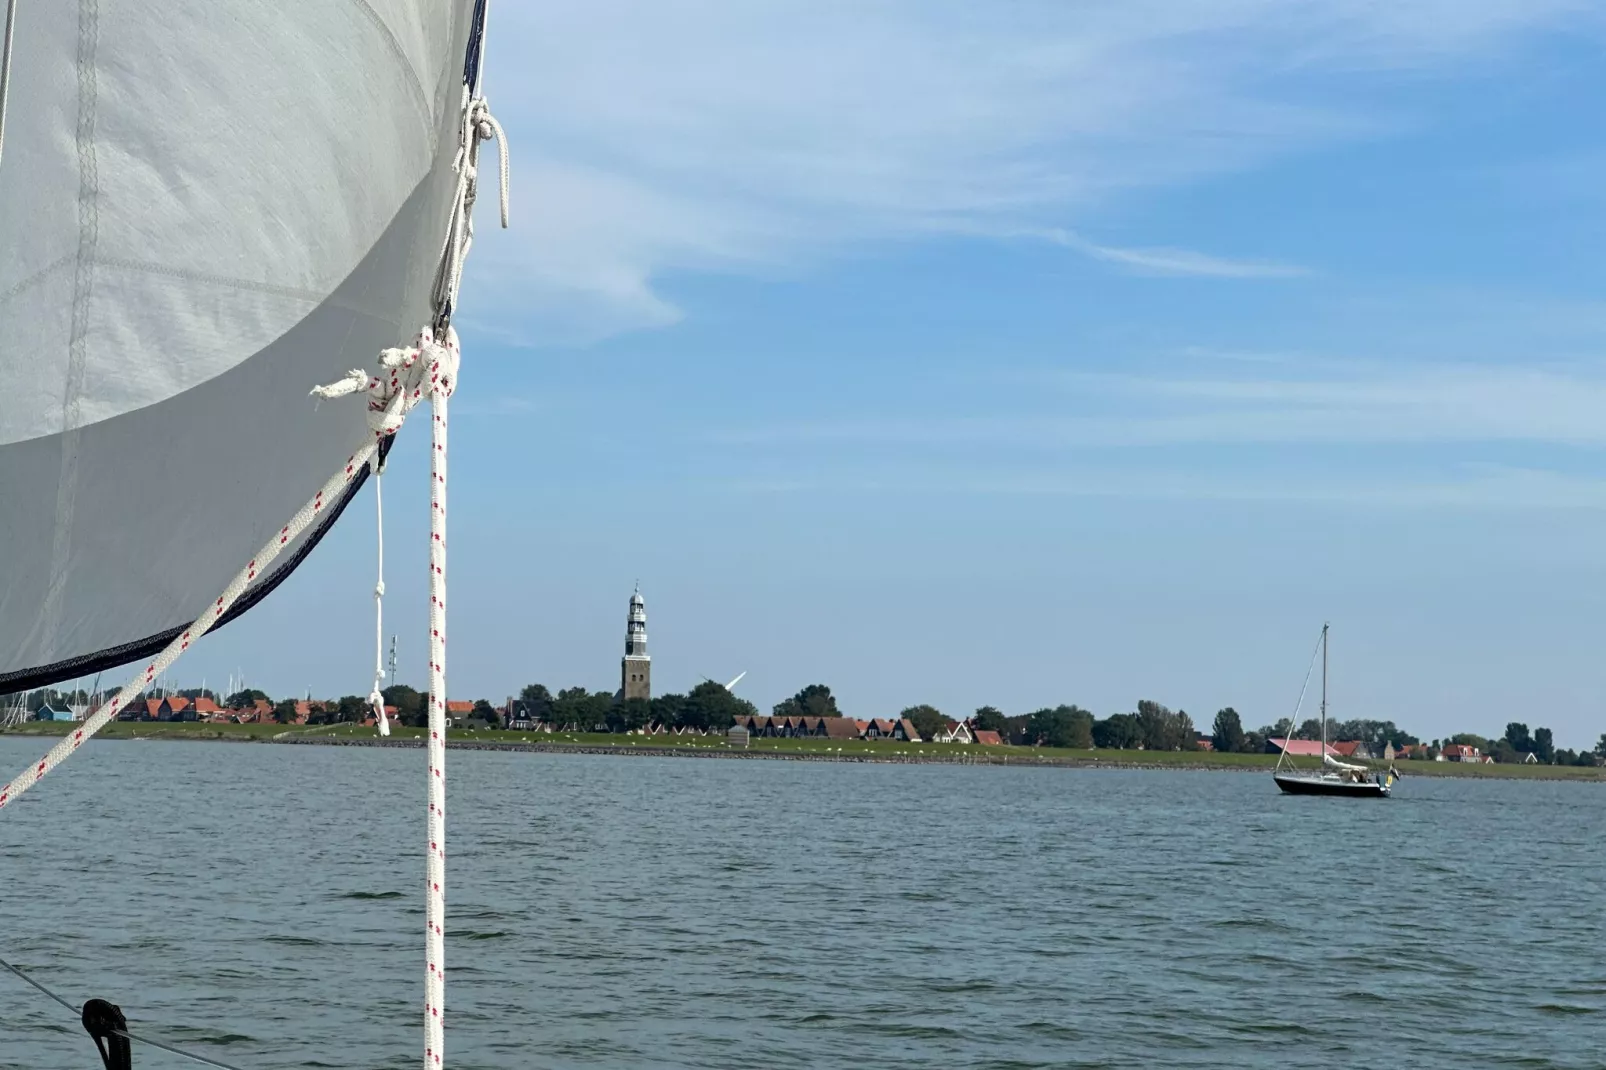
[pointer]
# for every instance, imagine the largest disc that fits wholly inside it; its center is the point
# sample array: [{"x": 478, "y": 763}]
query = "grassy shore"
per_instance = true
[{"x": 822, "y": 749}]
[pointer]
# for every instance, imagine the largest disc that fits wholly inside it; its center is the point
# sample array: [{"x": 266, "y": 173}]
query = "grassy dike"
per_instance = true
[{"x": 804, "y": 749}]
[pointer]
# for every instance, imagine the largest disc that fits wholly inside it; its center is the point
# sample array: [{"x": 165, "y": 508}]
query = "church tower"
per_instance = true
[{"x": 635, "y": 669}]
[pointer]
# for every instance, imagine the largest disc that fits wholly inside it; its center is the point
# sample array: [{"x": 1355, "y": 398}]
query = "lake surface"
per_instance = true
[{"x": 261, "y": 903}]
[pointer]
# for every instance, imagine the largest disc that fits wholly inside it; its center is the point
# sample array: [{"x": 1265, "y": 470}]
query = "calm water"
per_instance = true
[{"x": 260, "y": 902}]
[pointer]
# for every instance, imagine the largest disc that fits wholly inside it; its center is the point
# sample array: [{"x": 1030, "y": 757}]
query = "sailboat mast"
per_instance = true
[{"x": 1324, "y": 691}]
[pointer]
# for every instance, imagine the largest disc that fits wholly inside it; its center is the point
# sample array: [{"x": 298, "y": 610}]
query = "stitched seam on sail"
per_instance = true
[
  {"x": 49, "y": 623},
  {"x": 414, "y": 82},
  {"x": 37, "y": 277}
]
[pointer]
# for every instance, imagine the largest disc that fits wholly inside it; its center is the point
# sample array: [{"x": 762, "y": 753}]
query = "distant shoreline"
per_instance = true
[
  {"x": 979, "y": 756},
  {"x": 806, "y": 750}
]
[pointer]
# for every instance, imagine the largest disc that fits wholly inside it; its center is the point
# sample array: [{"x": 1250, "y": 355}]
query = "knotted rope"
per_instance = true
[{"x": 406, "y": 374}]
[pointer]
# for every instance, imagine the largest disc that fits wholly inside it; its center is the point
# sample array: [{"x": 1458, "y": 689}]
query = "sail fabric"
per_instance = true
[
  {"x": 206, "y": 208},
  {"x": 1333, "y": 763}
]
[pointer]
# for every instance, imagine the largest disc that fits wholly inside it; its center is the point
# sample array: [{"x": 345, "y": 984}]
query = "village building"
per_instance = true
[{"x": 954, "y": 732}]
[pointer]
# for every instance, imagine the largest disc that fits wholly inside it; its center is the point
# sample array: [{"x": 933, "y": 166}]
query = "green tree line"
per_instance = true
[{"x": 710, "y": 707}]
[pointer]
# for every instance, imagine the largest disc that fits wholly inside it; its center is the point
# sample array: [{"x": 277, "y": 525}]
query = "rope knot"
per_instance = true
[{"x": 406, "y": 376}]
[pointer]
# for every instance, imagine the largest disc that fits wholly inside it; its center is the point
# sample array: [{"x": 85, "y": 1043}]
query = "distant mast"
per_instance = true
[
  {"x": 1324, "y": 692},
  {"x": 635, "y": 668}
]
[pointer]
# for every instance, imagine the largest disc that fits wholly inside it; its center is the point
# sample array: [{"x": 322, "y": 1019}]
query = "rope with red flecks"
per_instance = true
[
  {"x": 328, "y": 494},
  {"x": 425, "y": 368},
  {"x": 443, "y": 380},
  {"x": 409, "y": 374}
]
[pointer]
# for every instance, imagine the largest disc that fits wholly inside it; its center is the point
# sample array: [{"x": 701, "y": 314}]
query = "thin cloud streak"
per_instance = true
[
  {"x": 1175, "y": 262},
  {"x": 1484, "y": 487},
  {"x": 1421, "y": 405},
  {"x": 685, "y": 135}
]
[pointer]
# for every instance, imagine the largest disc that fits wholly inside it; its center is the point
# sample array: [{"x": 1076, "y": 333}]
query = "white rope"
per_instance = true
[
  {"x": 376, "y": 698},
  {"x": 427, "y": 367},
  {"x": 478, "y": 125},
  {"x": 5, "y": 78},
  {"x": 435, "y": 870},
  {"x": 329, "y": 493}
]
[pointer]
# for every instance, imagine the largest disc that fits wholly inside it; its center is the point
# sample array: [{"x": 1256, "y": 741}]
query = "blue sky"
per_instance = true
[{"x": 1022, "y": 354}]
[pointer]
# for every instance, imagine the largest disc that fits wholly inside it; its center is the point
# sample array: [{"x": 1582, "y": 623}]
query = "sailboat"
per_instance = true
[
  {"x": 1334, "y": 777},
  {"x": 209, "y": 209}
]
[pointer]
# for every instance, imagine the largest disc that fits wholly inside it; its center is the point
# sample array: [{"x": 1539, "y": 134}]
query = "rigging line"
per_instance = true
[
  {"x": 76, "y": 1011},
  {"x": 5, "y": 67},
  {"x": 376, "y": 697},
  {"x": 202, "y": 1059},
  {"x": 39, "y": 986},
  {"x": 1298, "y": 705}
]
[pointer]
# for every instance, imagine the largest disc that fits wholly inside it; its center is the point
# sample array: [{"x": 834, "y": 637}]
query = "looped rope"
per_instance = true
[
  {"x": 486, "y": 128},
  {"x": 478, "y": 125}
]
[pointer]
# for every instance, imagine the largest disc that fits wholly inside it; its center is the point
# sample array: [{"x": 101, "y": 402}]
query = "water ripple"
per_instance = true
[{"x": 642, "y": 913}]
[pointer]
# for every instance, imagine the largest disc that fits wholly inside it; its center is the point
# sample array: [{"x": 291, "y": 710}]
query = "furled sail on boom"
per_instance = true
[{"x": 206, "y": 207}]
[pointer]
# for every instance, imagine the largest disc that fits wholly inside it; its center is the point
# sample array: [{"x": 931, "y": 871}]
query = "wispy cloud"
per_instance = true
[
  {"x": 1175, "y": 261},
  {"x": 1471, "y": 486},
  {"x": 1360, "y": 404},
  {"x": 687, "y": 134}
]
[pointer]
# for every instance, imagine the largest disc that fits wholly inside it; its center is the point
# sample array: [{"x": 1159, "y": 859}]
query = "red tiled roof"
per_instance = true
[
  {"x": 1302, "y": 748},
  {"x": 909, "y": 730},
  {"x": 1346, "y": 748},
  {"x": 988, "y": 738},
  {"x": 862, "y": 725},
  {"x": 458, "y": 706},
  {"x": 1459, "y": 750},
  {"x": 205, "y": 705}
]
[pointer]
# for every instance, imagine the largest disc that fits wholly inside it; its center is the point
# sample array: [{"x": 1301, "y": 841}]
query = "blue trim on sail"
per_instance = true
[{"x": 476, "y": 47}]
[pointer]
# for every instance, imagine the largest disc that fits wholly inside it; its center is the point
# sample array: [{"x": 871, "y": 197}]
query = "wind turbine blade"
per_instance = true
[{"x": 732, "y": 685}]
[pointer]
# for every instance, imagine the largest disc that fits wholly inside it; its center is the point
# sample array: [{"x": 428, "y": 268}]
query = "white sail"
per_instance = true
[
  {"x": 206, "y": 207},
  {"x": 1333, "y": 763}
]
